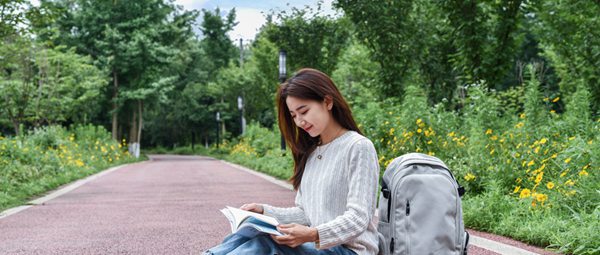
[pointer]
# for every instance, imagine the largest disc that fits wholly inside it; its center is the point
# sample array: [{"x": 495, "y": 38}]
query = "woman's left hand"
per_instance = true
[{"x": 295, "y": 235}]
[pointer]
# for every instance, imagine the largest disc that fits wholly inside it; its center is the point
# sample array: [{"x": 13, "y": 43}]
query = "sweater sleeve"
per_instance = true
[
  {"x": 360, "y": 206},
  {"x": 288, "y": 215}
]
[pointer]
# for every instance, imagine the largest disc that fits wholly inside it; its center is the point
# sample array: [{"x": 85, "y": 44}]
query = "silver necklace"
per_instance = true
[{"x": 319, "y": 153}]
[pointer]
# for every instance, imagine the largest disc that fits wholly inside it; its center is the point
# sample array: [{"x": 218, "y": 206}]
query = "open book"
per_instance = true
[{"x": 250, "y": 224}]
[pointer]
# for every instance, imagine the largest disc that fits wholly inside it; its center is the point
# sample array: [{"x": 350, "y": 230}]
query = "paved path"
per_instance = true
[{"x": 169, "y": 205}]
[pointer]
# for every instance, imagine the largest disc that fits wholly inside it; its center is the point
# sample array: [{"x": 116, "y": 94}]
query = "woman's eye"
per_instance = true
[{"x": 304, "y": 112}]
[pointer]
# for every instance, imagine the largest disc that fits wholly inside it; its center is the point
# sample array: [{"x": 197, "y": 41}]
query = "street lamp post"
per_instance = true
[
  {"x": 282, "y": 77},
  {"x": 218, "y": 120},
  {"x": 242, "y": 119}
]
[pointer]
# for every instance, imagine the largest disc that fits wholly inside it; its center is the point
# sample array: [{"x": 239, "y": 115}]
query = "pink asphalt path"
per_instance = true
[{"x": 169, "y": 205}]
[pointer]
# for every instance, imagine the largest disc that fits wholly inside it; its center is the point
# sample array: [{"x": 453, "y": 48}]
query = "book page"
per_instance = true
[
  {"x": 230, "y": 218},
  {"x": 240, "y": 215}
]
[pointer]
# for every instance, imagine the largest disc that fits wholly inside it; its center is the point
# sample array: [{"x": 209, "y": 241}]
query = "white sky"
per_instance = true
[{"x": 249, "y": 14}]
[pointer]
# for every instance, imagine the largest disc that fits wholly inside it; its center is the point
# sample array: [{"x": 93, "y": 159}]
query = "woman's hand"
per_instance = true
[
  {"x": 253, "y": 207},
  {"x": 295, "y": 235}
]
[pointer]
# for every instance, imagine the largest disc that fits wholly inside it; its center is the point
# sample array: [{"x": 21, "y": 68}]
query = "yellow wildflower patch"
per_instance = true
[{"x": 550, "y": 185}]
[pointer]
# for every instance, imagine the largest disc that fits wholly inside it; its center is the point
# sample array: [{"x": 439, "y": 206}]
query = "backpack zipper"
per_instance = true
[{"x": 407, "y": 226}]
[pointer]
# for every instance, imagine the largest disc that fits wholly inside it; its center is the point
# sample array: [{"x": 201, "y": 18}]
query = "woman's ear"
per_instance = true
[{"x": 328, "y": 100}]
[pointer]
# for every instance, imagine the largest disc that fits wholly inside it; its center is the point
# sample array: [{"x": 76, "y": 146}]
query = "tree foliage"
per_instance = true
[{"x": 40, "y": 86}]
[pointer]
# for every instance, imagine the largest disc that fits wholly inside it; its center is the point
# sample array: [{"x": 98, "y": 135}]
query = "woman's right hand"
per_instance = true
[{"x": 253, "y": 207}]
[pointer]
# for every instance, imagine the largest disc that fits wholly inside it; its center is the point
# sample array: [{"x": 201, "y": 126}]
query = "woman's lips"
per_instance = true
[{"x": 308, "y": 128}]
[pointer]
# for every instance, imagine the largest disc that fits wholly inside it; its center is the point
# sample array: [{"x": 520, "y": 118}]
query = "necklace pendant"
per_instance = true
[{"x": 319, "y": 156}]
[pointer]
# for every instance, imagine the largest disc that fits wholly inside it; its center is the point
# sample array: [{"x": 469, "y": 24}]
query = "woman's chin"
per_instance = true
[{"x": 312, "y": 134}]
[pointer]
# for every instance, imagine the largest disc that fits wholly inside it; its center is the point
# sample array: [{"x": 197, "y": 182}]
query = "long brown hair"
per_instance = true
[{"x": 308, "y": 84}]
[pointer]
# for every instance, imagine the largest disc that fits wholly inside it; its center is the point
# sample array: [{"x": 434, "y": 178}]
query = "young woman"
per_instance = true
[{"x": 335, "y": 177}]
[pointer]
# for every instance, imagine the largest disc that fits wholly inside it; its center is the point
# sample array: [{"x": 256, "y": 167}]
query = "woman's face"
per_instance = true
[{"x": 309, "y": 115}]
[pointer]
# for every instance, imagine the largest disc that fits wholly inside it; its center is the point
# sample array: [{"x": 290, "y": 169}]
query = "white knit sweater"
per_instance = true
[{"x": 338, "y": 195}]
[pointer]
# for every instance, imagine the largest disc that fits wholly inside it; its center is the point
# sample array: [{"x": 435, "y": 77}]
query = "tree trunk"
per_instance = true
[
  {"x": 140, "y": 121},
  {"x": 16, "y": 127},
  {"x": 115, "y": 114},
  {"x": 133, "y": 128}
]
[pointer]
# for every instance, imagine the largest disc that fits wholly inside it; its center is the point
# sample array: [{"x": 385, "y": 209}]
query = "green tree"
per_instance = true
[
  {"x": 215, "y": 42},
  {"x": 41, "y": 85},
  {"x": 309, "y": 38},
  {"x": 356, "y": 75},
  {"x": 446, "y": 44},
  {"x": 570, "y": 40},
  {"x": 135, "y": 41}
]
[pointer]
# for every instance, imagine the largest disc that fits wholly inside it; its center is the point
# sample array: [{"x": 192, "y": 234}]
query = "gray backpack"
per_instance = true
[{"x": 420, "y": 208}]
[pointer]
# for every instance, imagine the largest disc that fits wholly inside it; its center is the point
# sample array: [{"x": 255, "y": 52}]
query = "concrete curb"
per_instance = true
[
  {"x": 498, "y": 247},
  {"x": 478, "y": 241},
  {"x": 61, "y": 191}
]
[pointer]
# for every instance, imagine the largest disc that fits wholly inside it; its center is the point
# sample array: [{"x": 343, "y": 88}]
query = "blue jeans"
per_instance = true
[{"x": 263, "y": 244}]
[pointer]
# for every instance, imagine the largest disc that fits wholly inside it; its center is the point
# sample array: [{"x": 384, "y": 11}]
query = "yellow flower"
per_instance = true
[
  {"x": 419, "y": 130},
  {"x": 531, "y": 163},
  {"x": 571, "y": 138},
  {"x": 469, "y": 177},
  {"x": 520, "y": 125},
  {"x": 552, "y": 111},
  {"x": 494, "y": 138},
  {"x": 550, "y": 185},
  {"x": 419, "y": 121},
  {"x": 590, "y": 142},
  {"x": 555, "y": 100},
  {"x": 541, "y": 197},
  {"x": 571, "y": 193},
  {"x": 525, "y": 193},
  {"x": 563, "y": 174},
  {"x": 569, "y": 182},
  {"x": 492, "y": 152},
  {"x": 519, "y": 180},
  {"x": 568, "y": 160},
  {"x": 451, "y": 134},
  {"x": 431, "y": 153},
  {"x": 539, "y": 177},
  {"x": 554, "y": 155},
  {"x": 583, "y": 173},
  {"x": 522, "y": 115},
  {"x": 79, "y": 163},
  {"x": 517, "y": 189},
  {"x": 429, "y": 142},
  {"x": 536, "y": 150},
  {"x": 489, "y": 131},
  {"x": 542, "y": 167}
]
